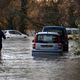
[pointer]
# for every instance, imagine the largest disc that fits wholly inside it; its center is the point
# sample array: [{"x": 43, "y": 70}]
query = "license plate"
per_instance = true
[{"x": 46, "y": 45}]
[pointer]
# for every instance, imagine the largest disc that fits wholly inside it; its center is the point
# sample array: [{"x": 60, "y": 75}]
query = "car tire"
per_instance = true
[{"x": 65, "y": 49}]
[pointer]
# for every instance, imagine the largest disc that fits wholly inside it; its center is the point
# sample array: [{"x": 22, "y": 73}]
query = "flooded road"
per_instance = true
[{"x": 18, "y": 63}]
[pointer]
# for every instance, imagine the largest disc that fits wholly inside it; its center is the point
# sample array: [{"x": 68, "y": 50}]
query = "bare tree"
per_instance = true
[
  {"x": 4, "y": 3},
  {"x": 23, "y": 22}
]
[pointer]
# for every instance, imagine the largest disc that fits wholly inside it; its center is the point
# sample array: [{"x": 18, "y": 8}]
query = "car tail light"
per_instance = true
[
  {"x": 34, "y": 42},
  {"x": 34, "y": 45},
  {"x": 58, "y": 39},
  {"x": 66, "y": 37}
]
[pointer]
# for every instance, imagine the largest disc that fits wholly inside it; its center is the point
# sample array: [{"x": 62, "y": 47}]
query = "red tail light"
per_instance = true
[
  {"x": 34, "y": 45},
  {"x": 58, "y": 39},
  {"x": 66, "y": 37},
  {"x": 34, "y": 42}
]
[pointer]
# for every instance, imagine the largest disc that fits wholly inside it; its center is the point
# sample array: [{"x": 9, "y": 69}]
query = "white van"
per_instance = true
[{"x": 73, "y": 33}]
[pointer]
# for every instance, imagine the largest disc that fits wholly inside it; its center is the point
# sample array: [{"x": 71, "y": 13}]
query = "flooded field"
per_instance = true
[{"x": 18, "y": 63}]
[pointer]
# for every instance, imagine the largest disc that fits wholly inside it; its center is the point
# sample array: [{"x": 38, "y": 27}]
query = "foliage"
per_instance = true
[
  {"x": 4, "y": 3},
  {"x": 23, "y": 21},
  {"x": 72, "y": 15},
  {"x": 51, "y": 15},
  {"x": 31, "y": 14}
]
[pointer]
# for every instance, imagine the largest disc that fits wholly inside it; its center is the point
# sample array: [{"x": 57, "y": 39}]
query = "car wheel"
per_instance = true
[{"x": 65, "y": 49}]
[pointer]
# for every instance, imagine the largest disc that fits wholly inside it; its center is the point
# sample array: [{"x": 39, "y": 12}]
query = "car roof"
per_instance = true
[
  {"x": 72, "y": 28},
  {"x": 60, "y": 27},
  {"x": 55, "y": 33},
  {"x": 10, "y": 30}
]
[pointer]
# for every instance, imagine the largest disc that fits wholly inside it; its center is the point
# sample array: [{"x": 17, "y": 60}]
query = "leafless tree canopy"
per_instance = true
[
  {"x": 4, "y": 3},
  {"x": 26, "y": 14}
]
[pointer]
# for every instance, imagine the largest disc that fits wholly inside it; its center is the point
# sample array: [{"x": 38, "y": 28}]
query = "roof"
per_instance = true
[
  {"x": 55, "y": 33},
  {"x": 72, "y": 28},
  {"x": 55, "y": 26},
  {"x": 10, "y": 30}
]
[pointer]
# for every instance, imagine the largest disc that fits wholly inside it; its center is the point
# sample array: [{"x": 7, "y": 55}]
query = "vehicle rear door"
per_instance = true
[{"x": 46, "y": 42}]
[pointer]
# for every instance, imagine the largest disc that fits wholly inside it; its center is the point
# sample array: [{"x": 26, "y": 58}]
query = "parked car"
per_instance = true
[
  {"x": 14, "y": 34},
  {"x": 47, "y": 43},
  {"x": 63, "y": 33},
  {"x": 73, "y": 33}
]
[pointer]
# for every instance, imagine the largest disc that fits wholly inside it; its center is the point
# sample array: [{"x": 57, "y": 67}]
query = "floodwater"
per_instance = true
[{"x": 18, "y": 63}]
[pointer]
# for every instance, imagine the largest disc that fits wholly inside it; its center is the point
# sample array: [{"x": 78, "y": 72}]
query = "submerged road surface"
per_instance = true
[{"x": 18, "y": 64}]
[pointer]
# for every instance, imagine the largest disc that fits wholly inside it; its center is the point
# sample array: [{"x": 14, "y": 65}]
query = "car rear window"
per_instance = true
[
  {"x": 53, "y": 30},
  {"x": 69, "y": 32},
  {"x": 75, "y": 31},
  {"x": 46, "y": 38},
  {"x": 72, "y": 31}
]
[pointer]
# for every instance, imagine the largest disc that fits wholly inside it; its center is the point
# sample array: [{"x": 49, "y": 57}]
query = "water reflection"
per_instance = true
[
  {"x": 46, "y": 57},
  {"x": 18, "y": 64}
]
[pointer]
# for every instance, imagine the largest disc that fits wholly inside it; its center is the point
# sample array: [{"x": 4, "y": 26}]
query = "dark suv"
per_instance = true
[{"x": 63, "y": 33}]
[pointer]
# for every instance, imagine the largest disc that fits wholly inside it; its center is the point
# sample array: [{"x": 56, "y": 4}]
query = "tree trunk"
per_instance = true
[{"x": 23, "y": 16}]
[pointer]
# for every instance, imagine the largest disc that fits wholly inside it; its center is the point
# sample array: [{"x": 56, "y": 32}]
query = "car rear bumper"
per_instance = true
[{"x": 44, "y": 52}]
